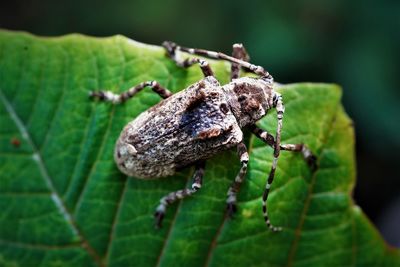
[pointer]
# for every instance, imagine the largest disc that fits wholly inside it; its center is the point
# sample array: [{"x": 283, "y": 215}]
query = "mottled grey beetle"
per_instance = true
[{"x": 198, "y": 122}]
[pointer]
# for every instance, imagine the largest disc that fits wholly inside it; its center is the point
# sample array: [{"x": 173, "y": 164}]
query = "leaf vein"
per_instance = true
[
  {"x": 167, "y": 238},
  {"x": 57, "y": 109},
  {"x": 38, "y": 246},
  {"x": 114, "y": 223},
  {"x": 100, "y": 151},
  {"x": 85, "y": 139},
  {"x": 45, "y": 175},
  {"x": 40, "y": 85}
]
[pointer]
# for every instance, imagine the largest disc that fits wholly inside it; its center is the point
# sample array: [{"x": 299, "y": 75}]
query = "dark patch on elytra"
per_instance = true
[
  {"x": 196, "y": 100},
  {"x": 199, "y": 119}
]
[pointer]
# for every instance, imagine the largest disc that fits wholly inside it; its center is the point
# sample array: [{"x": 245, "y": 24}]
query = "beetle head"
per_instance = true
[{"x": 249, "y": 98}]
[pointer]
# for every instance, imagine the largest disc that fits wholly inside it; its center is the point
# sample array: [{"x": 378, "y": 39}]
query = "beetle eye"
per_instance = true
[{"x": 242, "y": 98}]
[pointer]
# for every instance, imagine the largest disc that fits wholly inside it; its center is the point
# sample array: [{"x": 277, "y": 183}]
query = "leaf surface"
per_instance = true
[{"x": 64, "y": 202}]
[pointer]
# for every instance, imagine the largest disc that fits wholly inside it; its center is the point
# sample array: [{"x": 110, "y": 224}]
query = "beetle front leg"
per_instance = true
[
  {"x": 109, "y": 96},
  {"x": 302, "y": 148},
  {"x": 186, "y": 63},
  {"x": 171, "y": 48},
  {"x": 180, "y": 194},
  {"x": 235, "y": 187},
  {"x": 276, "y": 144},
  {"x": 280, "y": 109}
]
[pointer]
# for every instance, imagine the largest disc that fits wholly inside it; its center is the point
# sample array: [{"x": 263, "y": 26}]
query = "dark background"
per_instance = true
[{"x": 352, "y": 43}]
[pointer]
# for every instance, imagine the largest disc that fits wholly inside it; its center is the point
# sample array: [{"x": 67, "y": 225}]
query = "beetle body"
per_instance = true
[
  {"x": 198, "y": 122},
  {"x": 191, "y": 125}
]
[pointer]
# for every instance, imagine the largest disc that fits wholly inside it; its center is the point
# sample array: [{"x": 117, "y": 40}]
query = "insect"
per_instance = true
[{"x": 190, "y": 126}]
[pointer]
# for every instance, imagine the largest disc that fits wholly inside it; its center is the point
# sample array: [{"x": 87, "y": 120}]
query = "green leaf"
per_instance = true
[{"x": 64, "y": 203}]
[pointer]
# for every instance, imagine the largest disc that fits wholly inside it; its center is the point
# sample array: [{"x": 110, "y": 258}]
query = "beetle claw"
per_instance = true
[
  {"x": 312, "y": 162},
  {"x": 159, "y": 216},
  {"x": 231, "y": 208}
]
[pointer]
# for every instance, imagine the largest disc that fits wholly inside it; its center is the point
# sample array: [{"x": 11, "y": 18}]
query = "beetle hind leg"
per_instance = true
[
  {"x": 180, "y": 194},
  {"x": 275, "y": 143}
]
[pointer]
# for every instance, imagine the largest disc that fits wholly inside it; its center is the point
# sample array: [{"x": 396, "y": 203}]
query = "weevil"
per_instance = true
[{"x": 191, "y": 126}]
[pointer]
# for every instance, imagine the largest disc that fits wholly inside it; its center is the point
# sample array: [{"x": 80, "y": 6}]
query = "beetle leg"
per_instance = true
[
  {"x": 238, "y": 52},
  {"x": 119, "y": 98},
  {"x": 205, "y": 67},
  {"x": 280, "y": 109},
  {"x": 180, "y": 194},
  {"x": 235, "y": 187},
  {"x": 305, "y": 151},
  {"x": 186, "y": 63},
  {"x": 171, "y": 48}
]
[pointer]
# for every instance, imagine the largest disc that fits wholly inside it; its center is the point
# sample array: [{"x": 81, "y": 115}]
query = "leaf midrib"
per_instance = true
[{"x": 58, "y": 202}]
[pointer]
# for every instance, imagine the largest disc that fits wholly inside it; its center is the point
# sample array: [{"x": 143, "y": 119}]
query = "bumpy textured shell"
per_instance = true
[{"x": 191, "y": 125}]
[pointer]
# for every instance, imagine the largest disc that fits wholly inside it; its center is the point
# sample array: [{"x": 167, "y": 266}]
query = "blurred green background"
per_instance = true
[{"x": 352, "y": 43}]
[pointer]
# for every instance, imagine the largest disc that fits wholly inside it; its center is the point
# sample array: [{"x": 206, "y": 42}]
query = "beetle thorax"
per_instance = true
[{"x": 249, "y": 99}]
